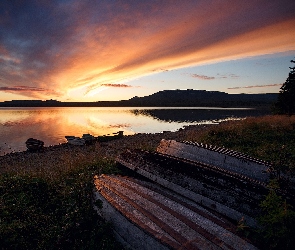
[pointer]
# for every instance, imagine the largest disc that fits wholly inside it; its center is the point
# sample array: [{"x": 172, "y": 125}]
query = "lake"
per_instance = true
[{"x": 51, "y": 125}]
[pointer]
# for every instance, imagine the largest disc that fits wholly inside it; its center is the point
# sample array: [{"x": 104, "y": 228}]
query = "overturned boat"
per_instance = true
[
  {"x": 145, "y": 215},
  {"x": 184, "y": 196}
]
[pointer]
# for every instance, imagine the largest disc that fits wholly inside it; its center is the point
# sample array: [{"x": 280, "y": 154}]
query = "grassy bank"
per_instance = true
[
  {"x": 270, "y": 138},
  {"x": 45, "y": 213},
  {"x": 45, "y": 198}
]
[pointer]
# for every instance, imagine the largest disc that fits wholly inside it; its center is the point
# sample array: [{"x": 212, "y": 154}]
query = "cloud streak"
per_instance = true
[
  {"x": 116, "y": 85},
  {"x": 72, "y": 45},
  {"x": 30, "y": 91},
  {"x": 257, "y": 86},
  {"x": 22, "y": 88},
  {"x": 203, "y": 77}
]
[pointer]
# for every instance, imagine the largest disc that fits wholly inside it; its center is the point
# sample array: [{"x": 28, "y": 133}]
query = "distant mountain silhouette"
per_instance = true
[
  {"x": 202, "y": 98},
  {"x": 165, "y": 98}
]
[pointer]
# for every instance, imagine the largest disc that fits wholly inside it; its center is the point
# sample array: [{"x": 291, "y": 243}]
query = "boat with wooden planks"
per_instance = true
[
  {"x": 231, "y": 194},
  {"x": 146, "y": 215}
]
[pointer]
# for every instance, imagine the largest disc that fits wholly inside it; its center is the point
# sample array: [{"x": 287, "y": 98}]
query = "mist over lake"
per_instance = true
[{"x": 51, "y": 125}]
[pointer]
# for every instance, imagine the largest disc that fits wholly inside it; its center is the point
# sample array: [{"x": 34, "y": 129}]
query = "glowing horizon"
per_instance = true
[{"x": 77, "y": 51}]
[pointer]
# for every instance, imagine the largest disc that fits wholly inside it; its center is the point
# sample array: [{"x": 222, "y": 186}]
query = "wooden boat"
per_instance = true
[
  {"x": 145, "y": 215},
  {"x": 230, "y": 194},
  {"x": 227, "y": 159},
  {"x": 88, "y": 139},
  {"x": 75, "y": 140},
  {"x": 182, "y": 200}
]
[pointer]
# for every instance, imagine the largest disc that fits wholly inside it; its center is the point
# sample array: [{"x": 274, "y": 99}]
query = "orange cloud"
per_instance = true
[{"x": 88, "y": 45}]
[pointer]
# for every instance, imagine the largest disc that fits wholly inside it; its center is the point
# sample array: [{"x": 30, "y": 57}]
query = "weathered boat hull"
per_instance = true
[
  {"x": 231, "y": 194},
  {"x": 227, "y": 159},
  {"x": 148, "y": 216}
]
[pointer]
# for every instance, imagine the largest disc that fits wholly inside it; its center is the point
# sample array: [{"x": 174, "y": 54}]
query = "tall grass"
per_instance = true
[{"x": 269, "y": 137}]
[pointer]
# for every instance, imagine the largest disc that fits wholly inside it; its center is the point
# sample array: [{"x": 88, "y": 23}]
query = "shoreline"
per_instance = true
[{"x": 66, "y": 155}]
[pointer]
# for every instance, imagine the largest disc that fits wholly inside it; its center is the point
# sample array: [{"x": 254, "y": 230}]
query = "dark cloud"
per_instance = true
[{"x": 21, "y": 88}]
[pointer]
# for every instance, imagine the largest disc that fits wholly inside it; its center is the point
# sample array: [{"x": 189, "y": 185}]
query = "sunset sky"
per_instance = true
[{"x": 87, "y": 50}]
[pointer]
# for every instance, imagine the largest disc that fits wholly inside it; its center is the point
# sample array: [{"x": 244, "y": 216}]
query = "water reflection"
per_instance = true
[
  {"x": 199, "y": 115},
  {"x": 51, "y": 125}
]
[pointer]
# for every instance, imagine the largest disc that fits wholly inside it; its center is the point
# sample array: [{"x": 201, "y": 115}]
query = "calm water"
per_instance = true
[{"x": 51, "y": 125}]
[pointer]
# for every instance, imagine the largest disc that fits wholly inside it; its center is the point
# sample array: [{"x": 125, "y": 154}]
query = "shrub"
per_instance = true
[{"x": 277, "y": 221}]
